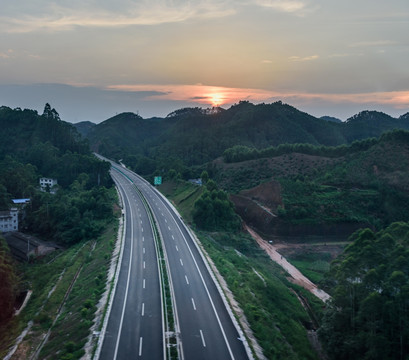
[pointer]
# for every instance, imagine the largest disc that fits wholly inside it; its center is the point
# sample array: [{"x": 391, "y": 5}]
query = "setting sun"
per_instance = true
[{"x": 216, "y": 99}]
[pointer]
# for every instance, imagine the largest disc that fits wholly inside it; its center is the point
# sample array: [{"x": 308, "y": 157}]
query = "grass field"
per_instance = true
[{"x": 67, "y": 286}]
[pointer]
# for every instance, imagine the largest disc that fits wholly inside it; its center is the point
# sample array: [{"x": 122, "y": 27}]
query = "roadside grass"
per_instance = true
[
  {"x": 73, "y": 326},
  {"x": 313, "y": 270},
  {"x": 276, "y": 316},
  {"x": 183, "y": 195},
  {"x": 313, "y": 265},
  {"x": 69, "y": 282}
]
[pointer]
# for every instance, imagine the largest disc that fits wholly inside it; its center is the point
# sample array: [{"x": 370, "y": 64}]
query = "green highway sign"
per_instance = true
[{"x": 157, "y": 180}]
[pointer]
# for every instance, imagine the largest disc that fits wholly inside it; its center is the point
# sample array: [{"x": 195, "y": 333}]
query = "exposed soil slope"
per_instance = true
[{"x": 299, "y": 278}]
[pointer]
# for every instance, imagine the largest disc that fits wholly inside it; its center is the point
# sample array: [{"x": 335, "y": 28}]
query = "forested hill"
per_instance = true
[
  {"x": 126, "y": 133},
  {"x": 34, "y": 146},
  {"x": 21, "y": 129},
  {"x": 84, "y": 127},
  {"x": 196, "y": 136}
]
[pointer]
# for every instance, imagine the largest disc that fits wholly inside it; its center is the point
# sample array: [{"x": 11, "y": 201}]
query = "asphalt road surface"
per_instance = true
[
  {"x": 135, "y": 330},
  {"x": 135, "y": 327}
]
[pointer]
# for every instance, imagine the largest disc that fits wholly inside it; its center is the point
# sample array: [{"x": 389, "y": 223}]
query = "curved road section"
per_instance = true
[
  {"x": 135, "y": 327},
  {"x": 206, "y": 329}
]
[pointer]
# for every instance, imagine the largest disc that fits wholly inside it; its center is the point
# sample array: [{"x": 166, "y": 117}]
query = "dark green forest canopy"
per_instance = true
[
  {"x": 368, "y": 317},
  {"x": 195, "y": 136},
  {"x": 34, "y": 146},
  {"x": 214, "y": 211}
]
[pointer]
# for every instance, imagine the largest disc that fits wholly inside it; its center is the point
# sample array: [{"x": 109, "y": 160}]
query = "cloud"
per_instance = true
[
  {"x": 7, "y": 54},
  {"x": 199, "y": 98},
  {"x": 201, "y": 94},
  {"x": 307, "y": 58},
  {"x": 205, "y": 94},
  {"x": 339, "y": 55},
  {"x": 296, "y": 7},
  {"x": 63, "y": 18}
]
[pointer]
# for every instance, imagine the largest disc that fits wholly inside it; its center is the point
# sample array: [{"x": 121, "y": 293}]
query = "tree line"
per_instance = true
[
  {"x": 240, "y": 153},
  {"x": 368, "y": 316}
]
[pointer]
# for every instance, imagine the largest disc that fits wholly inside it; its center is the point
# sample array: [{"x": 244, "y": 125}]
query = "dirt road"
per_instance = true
[{"x": 299, "y": 278}]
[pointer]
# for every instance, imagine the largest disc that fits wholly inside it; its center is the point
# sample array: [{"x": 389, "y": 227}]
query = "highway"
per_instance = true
[
  {"x": 205, "y": 328},
  {"x": 135, "y": 327}
]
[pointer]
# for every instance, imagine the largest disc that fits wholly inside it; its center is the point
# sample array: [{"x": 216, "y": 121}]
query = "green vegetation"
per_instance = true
[
  {"x": 313, "y": 265},
  {"x": 214, "y": 211},
  {"x": 8, "y": 282},
  {"x": 240, "y": 153},
  {"x": 365, "y": 183},
  {"x": 311, "y": 203},
  {"x": 184, "y": 195},
  {"x": 77, "y": 315},
  {"x": 66, "y": 289},
  {"x": 369, "y": 314},
  {"x": 193, "y": 136},
  {"x": 276, "y": 316},
  {"x": 71, "y": 215},
  {"x": 35, "y": 146}
]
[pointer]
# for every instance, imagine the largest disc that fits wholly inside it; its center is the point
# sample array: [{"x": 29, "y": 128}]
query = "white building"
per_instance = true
[
  {"x": 9, "y": 220},
  {"x": 48, "y": 183}
]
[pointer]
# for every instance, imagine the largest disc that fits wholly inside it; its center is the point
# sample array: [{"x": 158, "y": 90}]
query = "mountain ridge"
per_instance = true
[{"x": 197, "y": 136}]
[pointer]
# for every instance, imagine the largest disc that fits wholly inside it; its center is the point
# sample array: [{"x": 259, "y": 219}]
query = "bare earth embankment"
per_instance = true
[{"x": 296, "y": 275}]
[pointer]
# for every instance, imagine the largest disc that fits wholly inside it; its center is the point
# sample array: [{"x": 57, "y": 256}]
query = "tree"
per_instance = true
[
  {"x": 369, "y": 314},
  {"x": 204, "y": 176},
  {"x": 214, "y": 211}
]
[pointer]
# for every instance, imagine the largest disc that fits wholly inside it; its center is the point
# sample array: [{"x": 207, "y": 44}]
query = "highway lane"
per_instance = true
[
  {"x": 135, "y": 327},
  {"x": 206, "y": 328}
]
